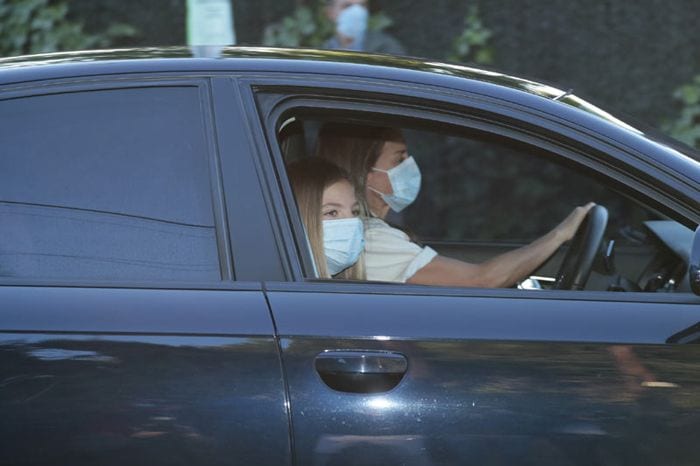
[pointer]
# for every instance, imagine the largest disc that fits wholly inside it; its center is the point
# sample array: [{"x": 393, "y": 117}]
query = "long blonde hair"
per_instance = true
[
  {"x": 355, "y": 148},
  {"x": 309, "y": 178}
]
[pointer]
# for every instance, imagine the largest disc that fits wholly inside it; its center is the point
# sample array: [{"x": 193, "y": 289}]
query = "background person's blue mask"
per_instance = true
[
  {"x": 352, "y": 23},
  {"x": 405, "y": 181},
  {"x": 343, "y": 242}
]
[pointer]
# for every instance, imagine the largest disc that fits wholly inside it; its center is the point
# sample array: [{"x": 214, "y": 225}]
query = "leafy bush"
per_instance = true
[
  {"x": 686, "y": 127},
  {"x": 309, "y": 27},
  {"x": 473, "y": 44},
  {"x": 303, "y": 28},
  {"x": 38, "y": 26}
]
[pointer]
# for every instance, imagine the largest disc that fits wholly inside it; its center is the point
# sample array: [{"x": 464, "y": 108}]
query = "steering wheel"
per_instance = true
[{"x": 577, "y": 264}]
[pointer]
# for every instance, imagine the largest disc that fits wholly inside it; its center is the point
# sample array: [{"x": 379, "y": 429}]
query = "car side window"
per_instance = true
[
  {"x": 480, "y": 188},
  {"x": 106, "y": 185},
  {"x": 483, "y": 195}
]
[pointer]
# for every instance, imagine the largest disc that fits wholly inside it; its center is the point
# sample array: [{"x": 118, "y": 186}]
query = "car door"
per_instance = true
[
  {"x": 400, "y": 374},
  {"x": 129, "y": 331}
]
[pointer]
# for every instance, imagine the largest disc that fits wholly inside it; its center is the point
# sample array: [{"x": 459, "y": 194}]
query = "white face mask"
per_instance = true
[
  {"x": 352, "y": 23},
  {"x": 405, "y": 181},
  {"x": 343, "y": 242}
]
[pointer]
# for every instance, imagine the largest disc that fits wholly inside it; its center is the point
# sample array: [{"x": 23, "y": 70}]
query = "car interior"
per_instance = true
[{"x": 483, "y": 194}]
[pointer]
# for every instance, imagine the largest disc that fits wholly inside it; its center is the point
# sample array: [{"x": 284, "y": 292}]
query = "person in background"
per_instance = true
[
  {"x": 351, "y": 29},
  {"x": 331, "y": 215},
  {"x": 387, "y": 178}
]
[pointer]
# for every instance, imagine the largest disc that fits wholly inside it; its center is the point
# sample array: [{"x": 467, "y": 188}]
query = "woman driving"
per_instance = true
[{"x": 379, "y": 165}]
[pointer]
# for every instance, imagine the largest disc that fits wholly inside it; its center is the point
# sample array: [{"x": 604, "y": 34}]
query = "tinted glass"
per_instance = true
[
  {"x": 110, "y": 184},
  {"x": 490, "y": 189}
]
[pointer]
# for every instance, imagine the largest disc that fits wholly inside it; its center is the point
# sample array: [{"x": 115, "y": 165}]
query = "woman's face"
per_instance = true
[
  {"x": 391, "y": 155},
  {"x": 339, "y": 201}
]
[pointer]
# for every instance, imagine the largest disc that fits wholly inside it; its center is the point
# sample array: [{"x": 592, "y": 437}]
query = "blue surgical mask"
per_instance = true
[
  {"x": 352, "y": 23},
  {"x": 405, "y": 183},
  {"x": 343, "y": 242}
]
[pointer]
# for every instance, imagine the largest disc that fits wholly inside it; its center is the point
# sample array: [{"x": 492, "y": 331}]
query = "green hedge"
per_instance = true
[{"x": 621, "y": 54}]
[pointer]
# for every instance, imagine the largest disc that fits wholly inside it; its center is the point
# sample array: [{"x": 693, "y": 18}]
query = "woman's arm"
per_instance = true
[{"x": 506, "y": 269}]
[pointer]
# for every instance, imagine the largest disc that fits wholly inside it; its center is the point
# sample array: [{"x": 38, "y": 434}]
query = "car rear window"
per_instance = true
[{"x": 106, "y": 185}]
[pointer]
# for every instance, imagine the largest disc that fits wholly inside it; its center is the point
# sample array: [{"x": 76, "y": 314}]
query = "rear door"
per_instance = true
[
  {"x": 399, "y": 374},
  {"x": 129, "y": 332}
]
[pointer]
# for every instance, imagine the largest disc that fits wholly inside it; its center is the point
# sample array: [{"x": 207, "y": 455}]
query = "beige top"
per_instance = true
[{"x": 390, "y": 255}]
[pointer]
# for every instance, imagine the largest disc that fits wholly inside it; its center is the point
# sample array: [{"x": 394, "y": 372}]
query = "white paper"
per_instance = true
[{"x": 210, "y": 22}]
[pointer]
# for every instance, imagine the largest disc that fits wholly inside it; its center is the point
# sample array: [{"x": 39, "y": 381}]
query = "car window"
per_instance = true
[
  {"x": 106, "y": 185},
  {"x": 479, "y": 188},
  {"x": 483, "y": 195}
]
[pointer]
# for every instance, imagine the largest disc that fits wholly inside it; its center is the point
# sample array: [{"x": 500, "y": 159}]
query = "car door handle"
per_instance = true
[{"x": 361, "y": 371}]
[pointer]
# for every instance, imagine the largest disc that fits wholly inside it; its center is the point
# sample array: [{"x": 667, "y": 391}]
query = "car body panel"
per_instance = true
[
  {"x": 162, "y": 376},
  {"x": 545, "y": 381}
]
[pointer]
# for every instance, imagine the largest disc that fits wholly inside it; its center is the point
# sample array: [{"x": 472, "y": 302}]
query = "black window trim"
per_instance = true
[
  {"x": 407, "y": 289},
  {"x": 276, "y": 190}
]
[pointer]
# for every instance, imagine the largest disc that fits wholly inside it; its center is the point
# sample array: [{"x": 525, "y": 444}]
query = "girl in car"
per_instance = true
[
  {"x": 387, "y": 178},
  {"x": 331, "y": 215}
]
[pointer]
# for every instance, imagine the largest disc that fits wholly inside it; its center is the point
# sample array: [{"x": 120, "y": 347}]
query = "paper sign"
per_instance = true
[{"x": 210, "y": 22}]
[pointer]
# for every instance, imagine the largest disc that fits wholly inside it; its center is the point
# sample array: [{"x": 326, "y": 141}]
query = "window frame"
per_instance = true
[{"x": 622, "y": 165}]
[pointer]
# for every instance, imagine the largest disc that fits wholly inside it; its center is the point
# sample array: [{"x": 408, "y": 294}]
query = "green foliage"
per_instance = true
[
  {"x": 304, "y": 28},
  {"x": 473, "y": 44},
  {"x": 379, "y": 22},
  {"x": 686, "y": 127},
  {"x": 39, "y": 26},
  {"x": 309, "y": 27}
]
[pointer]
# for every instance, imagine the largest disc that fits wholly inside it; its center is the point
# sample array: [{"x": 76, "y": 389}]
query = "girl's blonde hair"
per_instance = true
[{"x": 309, "y": 178}]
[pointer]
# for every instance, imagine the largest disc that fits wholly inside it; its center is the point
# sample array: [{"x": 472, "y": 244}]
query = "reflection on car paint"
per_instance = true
[{"x": 59, "y": 354}]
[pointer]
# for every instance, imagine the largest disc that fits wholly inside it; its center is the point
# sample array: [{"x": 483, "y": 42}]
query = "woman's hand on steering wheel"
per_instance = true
[
  {"x": 569, "y": 226},
  {"x": 585, "y": 244}
]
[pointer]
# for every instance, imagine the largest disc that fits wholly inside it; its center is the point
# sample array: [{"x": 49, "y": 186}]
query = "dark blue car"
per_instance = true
[{"x": 159, "y": 305}]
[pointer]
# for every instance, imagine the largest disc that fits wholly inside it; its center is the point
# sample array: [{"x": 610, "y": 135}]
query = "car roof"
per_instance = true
[
  {"x": 252, "y": 58},
  {"x": 337, "y": 62}
]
